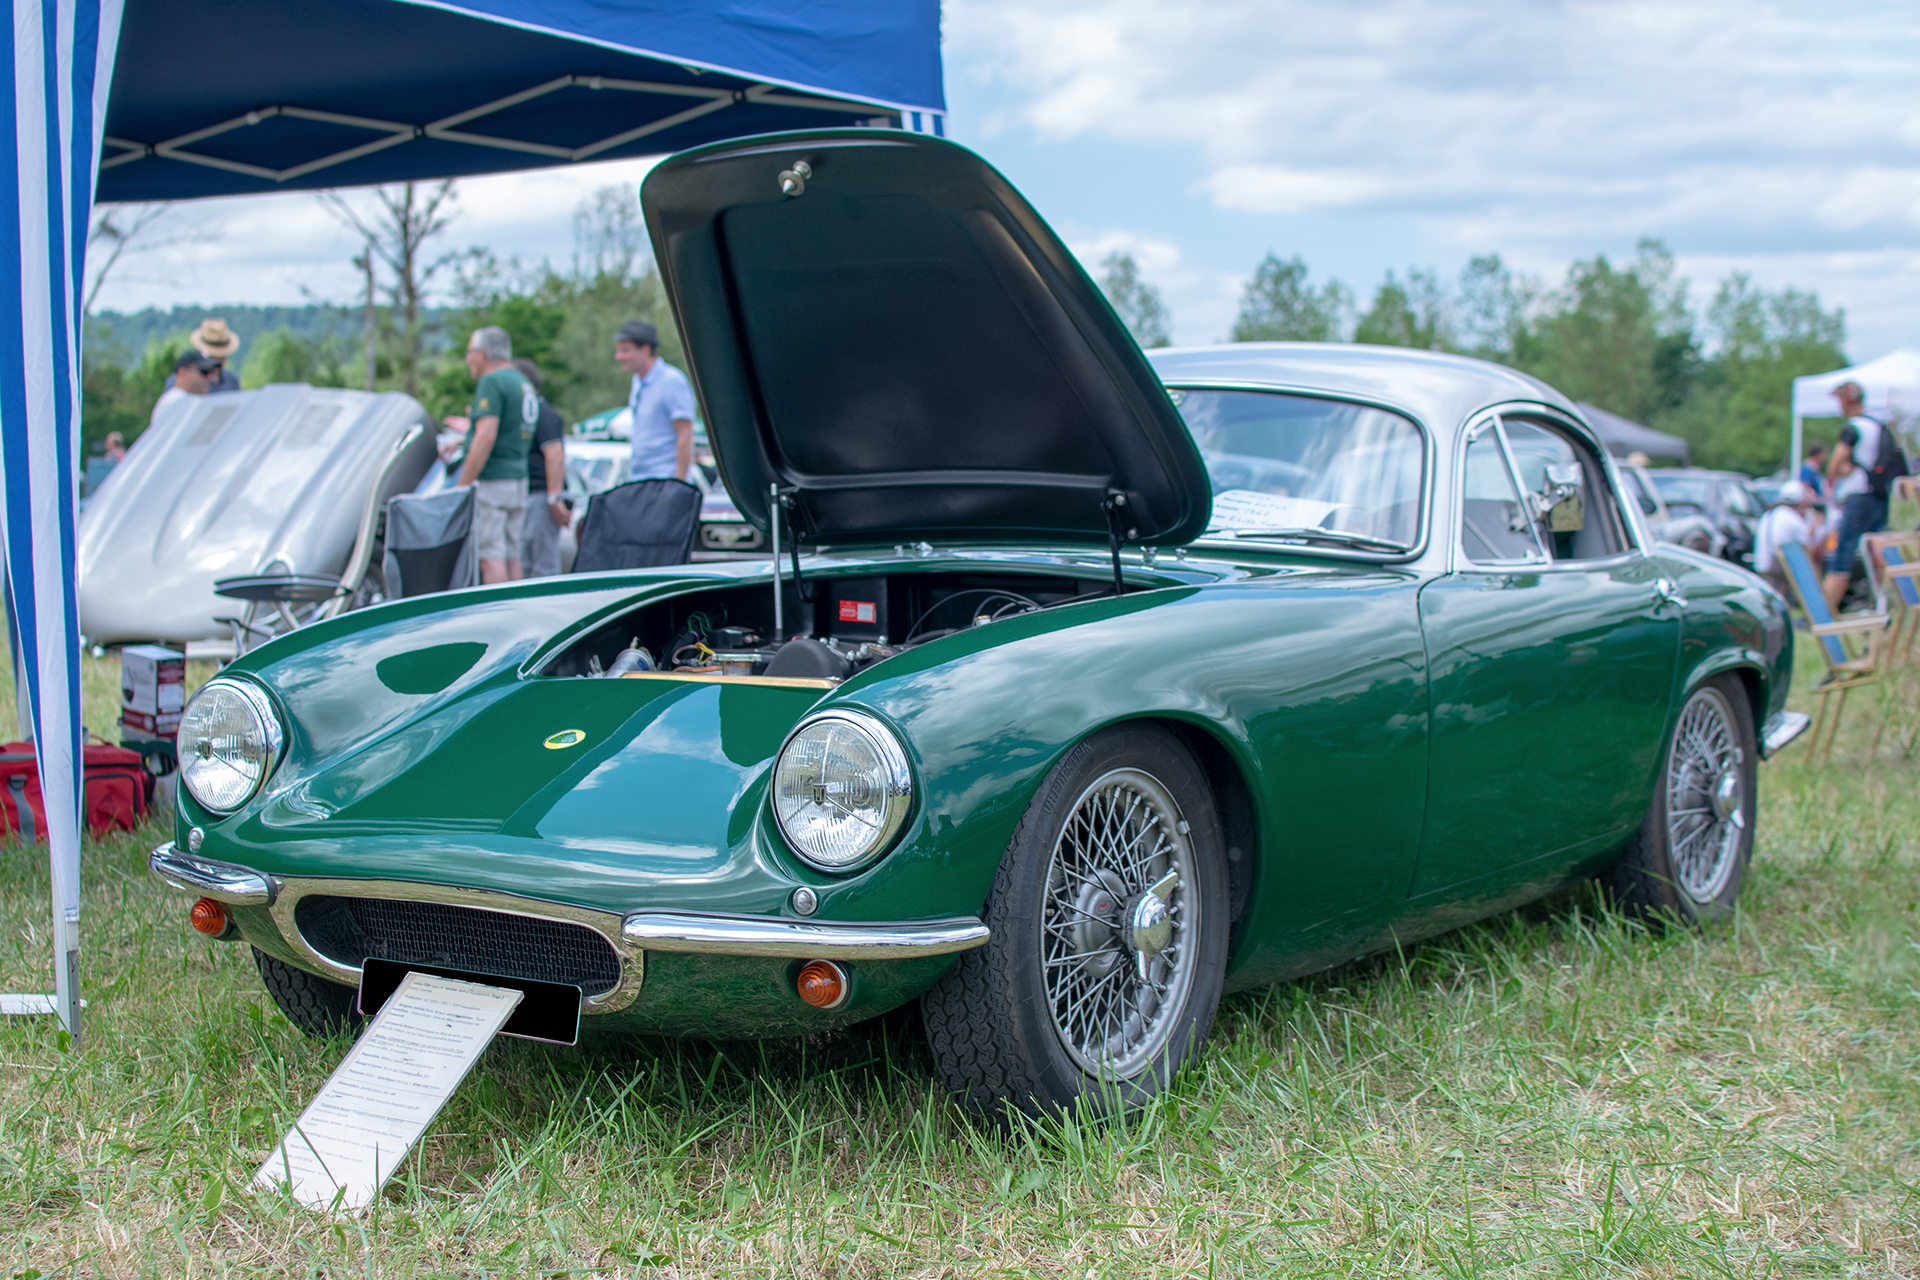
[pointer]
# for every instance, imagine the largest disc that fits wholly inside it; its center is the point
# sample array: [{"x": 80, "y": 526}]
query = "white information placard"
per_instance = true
[
  {"x": 382, "y": 1097},
  {"x": 1245, "y": 509}
]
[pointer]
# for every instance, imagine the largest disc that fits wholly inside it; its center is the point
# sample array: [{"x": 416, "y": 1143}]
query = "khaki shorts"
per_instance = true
[{"x": 497, "y": 507}]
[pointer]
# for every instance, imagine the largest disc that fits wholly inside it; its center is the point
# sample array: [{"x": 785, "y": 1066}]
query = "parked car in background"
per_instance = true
[
  {"x": 288, "y": 479},
  {"x": 1109, "y": 684},
  {"x": 1725, "y": 499},
  {"x": 1688, "y": 529}
]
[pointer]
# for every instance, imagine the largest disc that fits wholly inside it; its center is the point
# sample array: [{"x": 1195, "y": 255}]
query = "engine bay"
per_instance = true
[{"x": 833, "y": 628}]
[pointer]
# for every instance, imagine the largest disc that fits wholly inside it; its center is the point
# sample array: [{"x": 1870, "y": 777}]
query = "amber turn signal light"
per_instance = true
[
  {"x": 823, "y": 984},
  {"x": 210, "y": 918}
]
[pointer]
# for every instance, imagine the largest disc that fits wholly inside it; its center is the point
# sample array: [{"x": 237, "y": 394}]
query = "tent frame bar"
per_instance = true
[{"x": 448, "y": 128}]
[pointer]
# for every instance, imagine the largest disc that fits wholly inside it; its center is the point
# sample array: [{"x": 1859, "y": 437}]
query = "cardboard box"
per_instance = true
[{"x": 153, "y": 689}]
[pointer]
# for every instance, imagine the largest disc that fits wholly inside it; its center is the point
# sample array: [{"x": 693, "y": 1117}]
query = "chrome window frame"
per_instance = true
[{"x": 1638, "y": 539}]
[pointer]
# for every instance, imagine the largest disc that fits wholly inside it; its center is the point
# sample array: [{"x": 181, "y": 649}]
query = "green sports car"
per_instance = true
[{"x": 1083, "y": 686}]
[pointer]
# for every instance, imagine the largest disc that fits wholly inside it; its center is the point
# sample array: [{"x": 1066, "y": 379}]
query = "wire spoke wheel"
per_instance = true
[
  {"x": 1705, "y": 796},
  {"x": 1116, "y": 975}
]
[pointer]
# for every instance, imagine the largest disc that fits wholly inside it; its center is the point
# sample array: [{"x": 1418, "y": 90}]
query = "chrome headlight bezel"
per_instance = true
[
  {"x": 267, "y": 722},
  {"x": 894, "y": 777}
]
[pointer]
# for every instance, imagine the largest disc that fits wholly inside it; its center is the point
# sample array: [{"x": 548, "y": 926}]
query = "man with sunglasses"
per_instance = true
[{"x": 194, "y": 374}]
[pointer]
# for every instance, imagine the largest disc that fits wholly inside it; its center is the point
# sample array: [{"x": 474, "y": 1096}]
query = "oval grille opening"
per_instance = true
[{"x": 348, "y": 930}]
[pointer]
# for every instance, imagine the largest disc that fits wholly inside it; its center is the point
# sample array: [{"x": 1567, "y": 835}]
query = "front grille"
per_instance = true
[{"x": 348, "y": 930}]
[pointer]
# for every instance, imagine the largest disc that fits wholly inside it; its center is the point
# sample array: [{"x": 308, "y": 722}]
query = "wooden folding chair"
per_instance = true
[
  {"x": 1845, "y": 672},
  {"x": 1900, "y": 591}
]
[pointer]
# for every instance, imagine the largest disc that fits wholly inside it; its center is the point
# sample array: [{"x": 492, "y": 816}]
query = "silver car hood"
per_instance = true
[{"x": 224, "y": 485}]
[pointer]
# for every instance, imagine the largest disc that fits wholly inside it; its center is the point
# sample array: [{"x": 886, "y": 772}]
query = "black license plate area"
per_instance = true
[{"x": 550, "y": 1011}]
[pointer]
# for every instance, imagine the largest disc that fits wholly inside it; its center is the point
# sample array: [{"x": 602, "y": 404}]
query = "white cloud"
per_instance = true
[
  {"x": 1398, "y": 104},
  {"x": 287, "y": 249},
  {"x": 1270, "y": 188}
]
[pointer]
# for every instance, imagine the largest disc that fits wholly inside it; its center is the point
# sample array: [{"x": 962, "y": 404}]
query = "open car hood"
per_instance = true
[{"x": 904, "y": 346}]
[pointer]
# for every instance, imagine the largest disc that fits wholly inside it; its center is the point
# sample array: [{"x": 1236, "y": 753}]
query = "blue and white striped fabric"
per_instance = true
[{"x": 61, "y": 53}]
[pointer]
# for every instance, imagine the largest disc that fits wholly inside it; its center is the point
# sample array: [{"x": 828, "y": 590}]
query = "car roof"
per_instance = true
[
  {"x": 1440, "y": 389},
  {"x": 1700, "y": 473}
]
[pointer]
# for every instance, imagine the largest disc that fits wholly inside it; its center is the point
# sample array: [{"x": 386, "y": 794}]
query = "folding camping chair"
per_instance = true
[
  {"x": 430, "y": 543},
  {"x": 1844, "y": 671},
  {"x": 639, "y": 525},
  {"x": 1894, "y": 560},
  {"x": 280, "y": 600}
]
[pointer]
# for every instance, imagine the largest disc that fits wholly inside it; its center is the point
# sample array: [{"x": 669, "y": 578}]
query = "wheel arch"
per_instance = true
[
  {"x": 1746, "y": 666},
  {"x": 1234, "y": 799}
]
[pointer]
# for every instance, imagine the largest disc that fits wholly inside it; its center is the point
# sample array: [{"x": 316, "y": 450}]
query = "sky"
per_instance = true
[{"x": 1361, "y": 135}]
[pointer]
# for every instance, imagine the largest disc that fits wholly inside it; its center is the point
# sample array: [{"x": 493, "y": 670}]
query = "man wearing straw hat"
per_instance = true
[{"x": 216, "y": 342}]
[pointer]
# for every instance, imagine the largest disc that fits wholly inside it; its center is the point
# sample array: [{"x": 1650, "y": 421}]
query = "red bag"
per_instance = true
[
  {"x": 117, "y": 789},
  {"x": 20, "y": 804}
]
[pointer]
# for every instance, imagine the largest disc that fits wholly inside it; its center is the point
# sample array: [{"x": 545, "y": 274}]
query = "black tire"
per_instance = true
[
  {"x": 1689, "y": 858},
  {"x": 994, "y": 1021},
  {"x": 318, "y": 1007}
]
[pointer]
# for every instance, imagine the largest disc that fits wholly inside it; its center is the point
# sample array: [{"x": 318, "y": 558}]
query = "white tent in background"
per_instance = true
[{"x": 1891, "y": 384}]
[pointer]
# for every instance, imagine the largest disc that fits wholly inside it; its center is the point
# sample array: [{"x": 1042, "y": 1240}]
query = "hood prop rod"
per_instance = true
[
  {"x": 1118, "y": 531},
  {"x": 773, "y": 527},
  {"x": 788, "y": 503}
]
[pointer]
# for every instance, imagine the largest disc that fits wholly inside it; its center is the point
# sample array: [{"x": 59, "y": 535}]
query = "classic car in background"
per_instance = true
[
  {"x": 1725, "y": 499},
  {"x": 1106, "y": 685},
  {"x": 288, "y": 479},
  {"x": 1688, "y": 529}
]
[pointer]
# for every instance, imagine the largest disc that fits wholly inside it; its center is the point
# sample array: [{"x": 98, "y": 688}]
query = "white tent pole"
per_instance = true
[{"x": 1795, "y": 453}]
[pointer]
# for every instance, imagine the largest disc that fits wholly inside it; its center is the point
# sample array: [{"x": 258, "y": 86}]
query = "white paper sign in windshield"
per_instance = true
[
  {"x": 1245, "y": 509},
  {"x": 391, "y": 1085}
]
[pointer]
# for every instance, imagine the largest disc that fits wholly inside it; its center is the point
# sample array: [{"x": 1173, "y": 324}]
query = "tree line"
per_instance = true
[{"x": 1624, "y": 337}]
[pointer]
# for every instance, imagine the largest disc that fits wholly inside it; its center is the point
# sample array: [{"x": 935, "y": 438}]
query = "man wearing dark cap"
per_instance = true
[
  {"x": 661, "y": 401},
  {"x": 193, "y": 375}
]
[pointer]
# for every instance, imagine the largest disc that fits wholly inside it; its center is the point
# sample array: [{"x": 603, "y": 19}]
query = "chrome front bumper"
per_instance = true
[
  {"x": 631, "y": 935},
  {"x": 1781, "y": 729}
]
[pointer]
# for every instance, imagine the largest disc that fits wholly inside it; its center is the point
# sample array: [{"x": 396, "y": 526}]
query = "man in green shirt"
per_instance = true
[{"x": 505, "y": 411}]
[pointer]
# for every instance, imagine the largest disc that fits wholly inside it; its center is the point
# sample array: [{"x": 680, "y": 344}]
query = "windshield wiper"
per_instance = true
[{"x": 1339, "y": 537}]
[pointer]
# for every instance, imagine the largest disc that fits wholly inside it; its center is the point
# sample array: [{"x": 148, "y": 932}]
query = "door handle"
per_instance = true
[{"x": 1669, "y": 592}]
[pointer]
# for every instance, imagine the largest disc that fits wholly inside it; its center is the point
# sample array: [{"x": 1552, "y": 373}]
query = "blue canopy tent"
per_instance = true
[{"x": 220, "y": 97}]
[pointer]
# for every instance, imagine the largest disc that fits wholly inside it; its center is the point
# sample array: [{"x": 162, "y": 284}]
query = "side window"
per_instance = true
[
  {"x": 1495, "y": 527},
  {"x": 1566, "y": 493}
]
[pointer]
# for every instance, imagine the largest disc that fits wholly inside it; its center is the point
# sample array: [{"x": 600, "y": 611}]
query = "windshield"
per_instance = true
[
  {"x": 1286, "y": 462},
  {"x": 1685, "y": 491}
]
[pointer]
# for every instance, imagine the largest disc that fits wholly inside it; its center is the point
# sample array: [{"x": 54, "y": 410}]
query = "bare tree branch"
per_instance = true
[
  {"x": 122, "y": 227},
  {"x": 408, "y": 215}
]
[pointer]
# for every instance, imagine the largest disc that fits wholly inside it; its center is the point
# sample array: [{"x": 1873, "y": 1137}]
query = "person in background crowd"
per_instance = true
[
  {"x": 217, "y": 342},
  {"x": 504, "y": 412},
  {"x": 193, "y": 375},
  {"x": 1811, "y": 471},
  {"x": 1793, "y": 518},
  {"x": 546, "y": 478},
  {"x": 1862, "y": 510},
  {"x": 115, "y": 447},
  {"x": 662, "y": 404}
]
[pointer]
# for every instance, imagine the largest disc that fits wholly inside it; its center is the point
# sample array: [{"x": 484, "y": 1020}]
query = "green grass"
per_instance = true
[{"x": 1555, "y": 1092}]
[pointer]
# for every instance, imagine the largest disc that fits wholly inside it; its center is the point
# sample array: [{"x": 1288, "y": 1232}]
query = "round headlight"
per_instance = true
[
  {"x": 841, "y": 789},
  {"x": 229, "y": 743}
]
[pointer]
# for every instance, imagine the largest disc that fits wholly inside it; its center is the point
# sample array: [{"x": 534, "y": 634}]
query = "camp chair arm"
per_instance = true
[{"x": 1846, "y": 626}]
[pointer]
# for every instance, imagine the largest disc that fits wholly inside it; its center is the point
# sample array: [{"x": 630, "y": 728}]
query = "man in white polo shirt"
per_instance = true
[{"x": 662, "y": 404}]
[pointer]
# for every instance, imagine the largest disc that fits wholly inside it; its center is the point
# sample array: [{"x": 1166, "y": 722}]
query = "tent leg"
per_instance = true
[{"x": 1793, "y": 458}]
